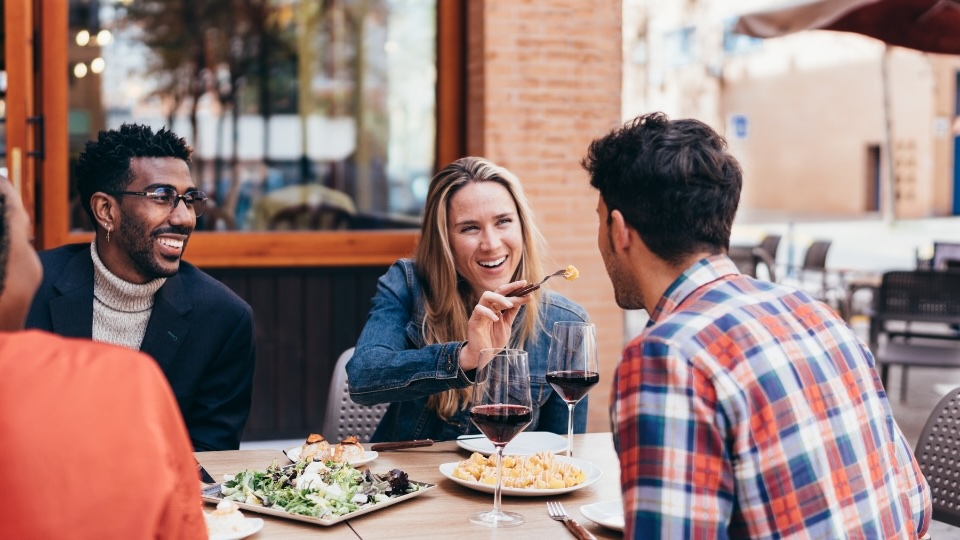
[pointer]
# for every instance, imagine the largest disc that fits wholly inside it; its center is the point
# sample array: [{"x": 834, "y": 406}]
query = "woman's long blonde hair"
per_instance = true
[{"x": 449, "y": 298}]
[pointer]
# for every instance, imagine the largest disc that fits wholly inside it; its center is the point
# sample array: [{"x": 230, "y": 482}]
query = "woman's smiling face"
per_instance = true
[{"x": 485, "y": 234}]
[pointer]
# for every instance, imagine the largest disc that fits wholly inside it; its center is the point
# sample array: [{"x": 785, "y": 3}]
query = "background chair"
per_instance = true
[
  {"x": 938, "y": 454},
  {"x": 946, "y": 256},
  {"x": 770, "y": 244},
  {"x": 344, "y": 417},
  {"x": 750, "y": 258},
  {"x": 914, "y": 312},
  {"x": 815, "y": 266}
]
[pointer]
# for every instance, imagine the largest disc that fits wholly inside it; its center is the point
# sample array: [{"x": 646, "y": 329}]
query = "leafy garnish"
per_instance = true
[
  {"x": 315, "y": 489},
  {"x": 399, "y": 484}
]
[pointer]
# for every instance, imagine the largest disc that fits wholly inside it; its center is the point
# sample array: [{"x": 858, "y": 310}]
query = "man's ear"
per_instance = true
[
  {"x": 104, "y": 209},
  {"x": 619, "y": 231}
]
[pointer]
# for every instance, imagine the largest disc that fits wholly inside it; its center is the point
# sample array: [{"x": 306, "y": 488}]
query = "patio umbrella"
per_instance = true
[{"x": 923, "y": 25}]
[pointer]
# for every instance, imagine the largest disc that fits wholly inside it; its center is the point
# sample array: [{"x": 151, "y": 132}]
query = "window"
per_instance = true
[
  {"x": 680, "y": 47},
  {"x": 303, "y": 115},
  {"x": 734, "y": 43}
]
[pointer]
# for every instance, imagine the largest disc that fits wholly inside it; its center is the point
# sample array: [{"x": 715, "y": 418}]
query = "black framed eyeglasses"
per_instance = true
[{"x": 168, "y": 197}]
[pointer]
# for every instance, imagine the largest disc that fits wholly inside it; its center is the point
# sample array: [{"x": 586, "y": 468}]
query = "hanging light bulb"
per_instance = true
[
  {"x": 83, "y": 37},
  {"x": 80, "y": 70},
  {"x": 104, "y": 37},
  {"x": 97, "y": 65}
]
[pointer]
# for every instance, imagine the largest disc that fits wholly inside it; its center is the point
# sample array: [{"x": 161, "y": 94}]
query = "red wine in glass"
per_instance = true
[
  {"x": 501, "y": 423},
  {"x": 501, "y": 407},
  {"x": 572, "y": 368},
  {"x": 573, "y": 384}
]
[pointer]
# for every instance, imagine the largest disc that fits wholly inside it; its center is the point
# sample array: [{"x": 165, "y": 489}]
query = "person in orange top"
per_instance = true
[{"x": 92, "y": 444}]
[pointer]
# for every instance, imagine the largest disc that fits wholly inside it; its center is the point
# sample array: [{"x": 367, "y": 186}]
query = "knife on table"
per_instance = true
[
  {"x": 399, "y": 445},
  {"x": 204, "y": 475}
]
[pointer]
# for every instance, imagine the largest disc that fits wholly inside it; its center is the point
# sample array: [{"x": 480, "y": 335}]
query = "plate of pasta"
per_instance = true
[{"x": 537, "y": 475}]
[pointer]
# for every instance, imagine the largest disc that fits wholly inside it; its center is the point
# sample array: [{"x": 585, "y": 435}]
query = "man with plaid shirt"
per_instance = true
[{"x": 745, "y": 408}]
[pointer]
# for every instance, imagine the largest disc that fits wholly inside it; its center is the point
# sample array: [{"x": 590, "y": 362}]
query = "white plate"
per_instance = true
[
  {"x": 251, "y": 526},
  {"x": 524, "y": 444},
  {"x": 606, "y": 513},
  {"x": 592, "y": 472},
  {"x": 293, "y": 454}
]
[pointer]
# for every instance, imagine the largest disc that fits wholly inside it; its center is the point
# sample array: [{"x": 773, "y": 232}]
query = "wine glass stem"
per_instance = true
[
  {"x": 570, "y": 407},
  {"x": 496, "y": 492}
]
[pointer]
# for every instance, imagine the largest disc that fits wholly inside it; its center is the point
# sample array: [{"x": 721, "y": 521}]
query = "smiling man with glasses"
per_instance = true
[{"x": 130, "y": 286}]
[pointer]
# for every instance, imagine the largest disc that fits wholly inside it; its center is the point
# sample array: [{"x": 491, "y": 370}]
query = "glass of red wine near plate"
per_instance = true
[
  {"x": 501, "y": 408},
  {"x": 572, "y": 365}
]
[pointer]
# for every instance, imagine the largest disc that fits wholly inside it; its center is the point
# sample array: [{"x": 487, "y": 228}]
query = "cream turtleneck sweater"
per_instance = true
[{"x": 121, "y": 310}]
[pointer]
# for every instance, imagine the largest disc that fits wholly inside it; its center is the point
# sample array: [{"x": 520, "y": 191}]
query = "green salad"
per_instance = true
[{"x": 316, "y": 489}]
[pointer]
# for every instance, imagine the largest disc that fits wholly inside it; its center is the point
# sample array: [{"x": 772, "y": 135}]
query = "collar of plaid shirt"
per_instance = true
[{"x": 700, "y": 273}]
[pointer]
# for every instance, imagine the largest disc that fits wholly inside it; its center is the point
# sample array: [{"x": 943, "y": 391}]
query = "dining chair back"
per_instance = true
[
  {"x": 938, "y": 454},
  {"x": 344, "y": 417},
  {"x": 750, "y": 258},
  {"x": 916, "y": 312},
  {"x": 813, "y": 274},
  {"x": 770, "y": 244}
]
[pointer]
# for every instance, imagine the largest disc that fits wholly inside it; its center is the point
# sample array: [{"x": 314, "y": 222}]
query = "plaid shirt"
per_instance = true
[{"x": 748, "y": 409}]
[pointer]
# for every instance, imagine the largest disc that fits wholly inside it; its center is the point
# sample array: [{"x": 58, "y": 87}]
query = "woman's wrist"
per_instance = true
[{"x": 468, "y": 357}]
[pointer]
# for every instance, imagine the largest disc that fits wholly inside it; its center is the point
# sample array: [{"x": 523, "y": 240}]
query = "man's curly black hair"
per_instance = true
[
  {"x": 104, "y": 164},
  {"x": 673, "y": 180}
]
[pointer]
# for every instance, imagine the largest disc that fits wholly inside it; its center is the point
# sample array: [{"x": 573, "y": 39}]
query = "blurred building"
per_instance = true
[{"x": 803, "y": 113}]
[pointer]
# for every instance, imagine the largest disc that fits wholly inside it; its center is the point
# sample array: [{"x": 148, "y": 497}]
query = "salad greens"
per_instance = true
[{"x": 316, "y": 489}]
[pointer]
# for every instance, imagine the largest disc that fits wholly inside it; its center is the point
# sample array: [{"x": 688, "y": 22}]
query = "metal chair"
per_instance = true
[
  {"x": 814, "y": 277},
  {"x": 929, "y": 298},
  {"x": 749, "y": 258},
  {"x": 946, "y": 255},
  {"x": 938, "y": 454},
  {"x": 344, "y": 417},
  {"x": 770, "y": 244}
]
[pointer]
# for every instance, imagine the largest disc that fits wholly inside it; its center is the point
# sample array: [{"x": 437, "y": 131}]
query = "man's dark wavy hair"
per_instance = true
[
  {"x": 104, "y": 164},
  {"x": 673, "y": 180}
]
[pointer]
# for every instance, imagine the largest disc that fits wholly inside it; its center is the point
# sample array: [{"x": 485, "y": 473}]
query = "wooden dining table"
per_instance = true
[{"x": 443, "y": 511}]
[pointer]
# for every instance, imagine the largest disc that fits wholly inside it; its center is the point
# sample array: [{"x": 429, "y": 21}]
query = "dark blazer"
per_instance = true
[{"x": 200, "y": 333}]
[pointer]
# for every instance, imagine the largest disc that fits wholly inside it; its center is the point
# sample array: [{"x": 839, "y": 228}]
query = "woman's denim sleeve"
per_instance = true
[
  {"x": 387, "y": 366},
  {"x": 553, "y": 411},
  {"x": 553, "y": 415}
]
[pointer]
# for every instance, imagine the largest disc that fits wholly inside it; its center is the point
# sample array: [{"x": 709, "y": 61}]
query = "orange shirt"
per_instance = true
[{"x": 92, "y": 444}]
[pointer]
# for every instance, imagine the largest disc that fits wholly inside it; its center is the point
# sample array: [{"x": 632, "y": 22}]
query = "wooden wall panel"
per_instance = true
[{"x": 305, "y": 317}]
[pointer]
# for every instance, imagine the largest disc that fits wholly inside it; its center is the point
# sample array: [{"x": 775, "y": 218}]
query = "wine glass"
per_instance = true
[
  {"x": 572, "y": 365},
  {"x": 501, "y": 408}
]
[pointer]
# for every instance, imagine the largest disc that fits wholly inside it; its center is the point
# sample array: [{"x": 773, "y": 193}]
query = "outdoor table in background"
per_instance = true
[{"x": 444, "y": 511}]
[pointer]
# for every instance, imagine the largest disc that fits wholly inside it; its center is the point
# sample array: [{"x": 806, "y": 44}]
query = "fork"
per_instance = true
[
  {"x": 557, "y": 513},
  {"x": 527, "y": 289}
]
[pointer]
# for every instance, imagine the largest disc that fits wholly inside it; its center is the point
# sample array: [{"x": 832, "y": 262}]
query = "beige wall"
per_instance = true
[
  {"x": 814, "y": 101},
  {"x": 544, "y": 80}
]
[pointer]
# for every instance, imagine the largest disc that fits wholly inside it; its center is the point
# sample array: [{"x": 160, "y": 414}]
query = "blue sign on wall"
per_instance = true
[{"x": 739, "y": 125}]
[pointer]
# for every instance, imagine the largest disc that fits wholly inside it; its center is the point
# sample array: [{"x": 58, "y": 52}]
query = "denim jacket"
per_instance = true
[{"x": 391, "y": 364}]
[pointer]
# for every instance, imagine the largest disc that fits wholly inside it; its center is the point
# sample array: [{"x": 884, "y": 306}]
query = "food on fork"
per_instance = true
[
  {"x": 225, "y": 520},
  {"x": 539, "y": 471},
  {"x": 571, "y": 273}
]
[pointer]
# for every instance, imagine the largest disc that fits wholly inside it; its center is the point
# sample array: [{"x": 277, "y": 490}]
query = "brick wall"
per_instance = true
[{"x": 544, "y": 79}]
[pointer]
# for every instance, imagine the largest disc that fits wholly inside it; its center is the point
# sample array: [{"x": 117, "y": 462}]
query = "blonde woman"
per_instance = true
[{"x": 432, "y": 315}]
